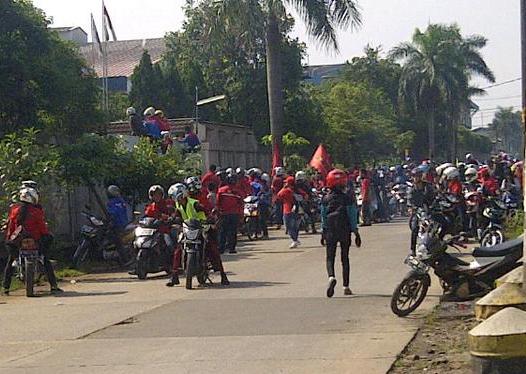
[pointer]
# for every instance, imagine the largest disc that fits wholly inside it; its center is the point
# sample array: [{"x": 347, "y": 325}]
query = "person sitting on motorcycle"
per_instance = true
[
  {"x": 421, "y": 196},
  {"x": 189, "y": 208},
  {"x": 118, "y": 214},
  {"x": 470, "y": 177},
  {"x": 490, "y": 185},
  {"x": 161, "y": 209},
  {"x": 339, "y": 221},
  {"x": 303, "y": 185},
  {"x": 456, "y": 190},
  {"x": 26, "y": 220},
  {"x": 243, "y": 183}
]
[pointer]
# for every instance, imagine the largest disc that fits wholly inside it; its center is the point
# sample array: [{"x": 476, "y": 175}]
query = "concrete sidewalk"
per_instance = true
[{"x": 273, "y": 318}]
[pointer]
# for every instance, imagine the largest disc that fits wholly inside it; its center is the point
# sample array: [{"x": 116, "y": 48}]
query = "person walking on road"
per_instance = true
[
  {"x": 338, "y": 223},
  {"x": 290, "y": 206},
  {"x": 366, "y": 197}
]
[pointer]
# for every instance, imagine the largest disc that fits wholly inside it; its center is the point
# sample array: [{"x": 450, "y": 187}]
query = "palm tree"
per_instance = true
[
  {"x": 322, "y": 18},
  {"x": 438, "y": 65}
]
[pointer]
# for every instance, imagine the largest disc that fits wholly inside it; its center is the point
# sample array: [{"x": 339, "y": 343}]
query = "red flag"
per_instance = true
[
  {"x": 276, "y": 157},
  {"x": 321, "y": 160}
]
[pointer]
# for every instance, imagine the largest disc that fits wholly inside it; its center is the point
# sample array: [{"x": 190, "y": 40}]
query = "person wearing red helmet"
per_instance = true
[{"x": 338, "y": 223}]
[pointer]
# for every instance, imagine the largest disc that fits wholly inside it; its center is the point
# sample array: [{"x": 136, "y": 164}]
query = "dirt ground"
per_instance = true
[{"x": 440, "y": 346}]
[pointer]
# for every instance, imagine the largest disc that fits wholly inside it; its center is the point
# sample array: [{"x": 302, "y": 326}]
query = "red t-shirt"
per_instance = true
[
  {"x": 455, "y": 188},
  {"x": 164, "y": 125},
  {"x": 229, "y": 201},
  {"x": 365, "y": 189},
  {"x": 34, "y": 223},
  {"x": 286, "y": 196},
  {"x": 160, "y": 210},
  {"x": 210, "y": 177}
]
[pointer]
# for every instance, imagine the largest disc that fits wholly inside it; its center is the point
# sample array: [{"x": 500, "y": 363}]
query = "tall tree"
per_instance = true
[
  {"x": 322, "y": 18},
  {"x": 146, "y": 84},
  {"x": 438, "y": 65},
  {"x": 509, "y": 135}
]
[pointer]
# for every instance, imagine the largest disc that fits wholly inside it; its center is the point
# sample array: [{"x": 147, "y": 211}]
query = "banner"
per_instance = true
[
  {"x": 95, "y": 34},
  {"x": 276, "y": 157},
  {"x": 108, "y": 22}
]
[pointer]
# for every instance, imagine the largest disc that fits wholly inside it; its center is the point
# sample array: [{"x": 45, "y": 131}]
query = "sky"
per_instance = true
[{"x": 386, "y": 23}]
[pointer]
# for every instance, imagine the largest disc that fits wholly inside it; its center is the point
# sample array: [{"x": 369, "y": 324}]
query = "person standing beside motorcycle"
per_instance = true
[
  {"x": 118, "y": 214},
  {"x": 210, "y": 177},
  {"x": 338, "y": 218},
  {"x": 229, "y": 204},
  {"x": 26, "y": 220}
]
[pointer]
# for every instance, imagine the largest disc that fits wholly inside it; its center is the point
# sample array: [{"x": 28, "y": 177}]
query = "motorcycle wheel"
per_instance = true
[
  {"x": 410, "y": 293},
  {"x": 191, "y": 260},
  {"x": 492, "y": 238},
  {"x": 251, "y": 229},
  {"x": 142, "y": 268},
  {"x": 81, "y": 253},
  {"x": 29, "y": 278}
]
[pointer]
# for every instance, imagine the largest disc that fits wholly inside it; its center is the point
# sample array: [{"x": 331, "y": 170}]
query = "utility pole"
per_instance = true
[{"x": 523, "y": 88}]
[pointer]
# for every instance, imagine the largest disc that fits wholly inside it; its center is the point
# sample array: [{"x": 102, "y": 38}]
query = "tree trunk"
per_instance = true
[
  {"x": 431, "y": 135},
  {"x": 274, "y": 83}
]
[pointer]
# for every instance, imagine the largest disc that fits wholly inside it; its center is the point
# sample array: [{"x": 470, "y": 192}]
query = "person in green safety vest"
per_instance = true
[{"x": 188, "y": 208}]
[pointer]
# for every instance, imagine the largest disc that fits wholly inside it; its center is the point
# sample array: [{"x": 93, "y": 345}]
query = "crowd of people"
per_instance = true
[
  {"x": 340, "y": 201},
  {"x": 155, "y": 126}
]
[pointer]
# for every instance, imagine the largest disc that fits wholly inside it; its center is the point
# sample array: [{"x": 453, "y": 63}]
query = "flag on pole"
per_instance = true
[
  {"x": 108, "y": 23},
  {"x": 276, "y": 157},
  {"x": 95, "y": 34},
  {"x": 321, "y": 160}
]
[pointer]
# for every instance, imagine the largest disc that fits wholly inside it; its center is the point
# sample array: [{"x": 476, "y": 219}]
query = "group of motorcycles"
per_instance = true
[
  {"x": 440, "y": 230},
  {"x": 151, "y": 247}
]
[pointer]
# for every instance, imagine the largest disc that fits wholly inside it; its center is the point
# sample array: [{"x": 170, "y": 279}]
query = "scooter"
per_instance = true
[
  {"x": 494, "y": 215},
  {"x": 459, "y": 280},
  {"x": 251, "y": 217},
  {"x": 196, "y": 263},
  {"x": 153, "y": 248}
]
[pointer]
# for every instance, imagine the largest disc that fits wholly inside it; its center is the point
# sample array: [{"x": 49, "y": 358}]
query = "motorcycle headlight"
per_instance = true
[
  {"x": 191, "y": 234},
  {"x": 421, "y": 252},
  {"x": 144, "y": 242},
  {"x": 96, "y": 221}
]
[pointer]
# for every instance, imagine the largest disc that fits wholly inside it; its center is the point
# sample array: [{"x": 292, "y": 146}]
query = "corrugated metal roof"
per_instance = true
[{"x": 123, "y": 55}]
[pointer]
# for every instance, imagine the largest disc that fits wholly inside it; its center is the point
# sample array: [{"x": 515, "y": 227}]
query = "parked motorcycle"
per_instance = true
[
  {"x": 153, "y": 248},
  {"x": 29, "y": 266},
  {"x": 398, "y": 200},
  {"x": 459, "y": 279},
  {"x": 96, "y": 240},
  {"x": 494, "y": 215},
  {"x": 193, "y": 239},
  {"x": 251, "y": 217}
]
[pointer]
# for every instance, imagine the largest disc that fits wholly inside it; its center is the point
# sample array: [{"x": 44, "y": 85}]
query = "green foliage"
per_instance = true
[
  {"x": 470, "y": 142},
  {"x": 507, "y": 125},
  {"x": 118, "y": 103},
  {"x": 294, "y": 162},
  {"x": 146, "y": 82},
  {"x": 404, "y": 141},
  {"x": 292, "y": 143},
  {"x": 514, "y": 226},
  {"x": 55, "y": 91}
]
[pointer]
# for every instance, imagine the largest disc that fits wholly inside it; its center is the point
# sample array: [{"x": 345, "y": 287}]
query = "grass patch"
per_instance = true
[
  {"x": 514, "y": 226},
  {"x": 68, "y": 273}
]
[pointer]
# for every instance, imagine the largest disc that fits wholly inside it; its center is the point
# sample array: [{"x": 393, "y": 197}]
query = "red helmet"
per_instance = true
[{"x": 336, "y": 178}]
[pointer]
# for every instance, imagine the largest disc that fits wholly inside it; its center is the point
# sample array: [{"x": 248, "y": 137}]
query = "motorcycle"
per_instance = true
[
  {"x": 459, "y": 279},
  {"x": 473, "y": 203},
  {"x": 251, "y": 217},
  {"x": 96, "y": 240},
  {"x": 398, "y": 200},
  {"x": 494, "y": 215},
  {"x": 153, "y": 248},
  {"x": 193, "y": 239},
  {"x": 29, "y": 266}
]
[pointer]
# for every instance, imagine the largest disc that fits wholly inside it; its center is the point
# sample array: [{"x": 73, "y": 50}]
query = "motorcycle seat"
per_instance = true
[{"x": 500, "y": 250}]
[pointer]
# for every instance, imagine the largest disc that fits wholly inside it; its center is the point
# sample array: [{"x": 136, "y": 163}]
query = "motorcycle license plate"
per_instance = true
[
  {"x": 141, "y": 231},
  {"x": 29, "y": 253}
]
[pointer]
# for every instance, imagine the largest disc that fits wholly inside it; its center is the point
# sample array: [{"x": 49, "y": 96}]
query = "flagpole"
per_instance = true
[{"x": 104, "y": 62}]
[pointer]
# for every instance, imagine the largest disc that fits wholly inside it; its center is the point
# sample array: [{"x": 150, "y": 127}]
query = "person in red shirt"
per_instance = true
[
  {"x": 490, "y": 185},
  {"x": 277, "y": 184},
  {"x": 455, "y": 189},
  {"x": 26, "y": 220},
  {"x": 366, "y": 197},
  {"x": 210, "y": 177},
  {"x": 228, "y": 205},
  {"x": 159, "y": 207},
  {"x": 243, "y": 183},
  {"x": 163, "y": 123},
  {"x": 290, "y": 216}
]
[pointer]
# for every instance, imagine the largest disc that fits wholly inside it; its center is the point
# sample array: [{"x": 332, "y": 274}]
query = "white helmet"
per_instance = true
[
  {"x": 150, "y": 111},
  {"x": 241, "y": 172},
  {"x": 469, "y": 156},
  {"x": 178, "y": 191},
  {"x": 392, "y": 169},
  {"x": 440, "y": 169},
  {"x": 229, "y": 171},
  {"x": 470, "y": 174},
  {"x": 451, "y": 173},
  {"x": 300, "y": 175},
  {"x": 28, "y": 195},
  {"x": 265, "y": 177},
  {"x": 29, "y": 184},
  {"x": 114, "y": 191},
  {"x": 153, "y": 189},
  {"x": 193, "y": 184},
  {"x": 130, "y": 111},
  {"x": 279, "y": 171}
]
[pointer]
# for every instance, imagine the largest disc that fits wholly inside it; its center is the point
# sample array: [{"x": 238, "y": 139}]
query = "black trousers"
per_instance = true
[
  {"x": 264, "y": 213},
  {"x": 228, "y": 232},
  {"x": 332, "y": 243},
  {"x": 9, "y": 269}
]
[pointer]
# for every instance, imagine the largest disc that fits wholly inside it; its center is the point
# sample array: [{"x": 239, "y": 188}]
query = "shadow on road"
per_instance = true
[
  {"x": 81, "y": 294},
  {"x": 253, "y": 284}
]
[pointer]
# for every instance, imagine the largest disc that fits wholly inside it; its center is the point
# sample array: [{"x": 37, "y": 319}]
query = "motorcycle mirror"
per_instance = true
[{"x": 137, "y": 214}]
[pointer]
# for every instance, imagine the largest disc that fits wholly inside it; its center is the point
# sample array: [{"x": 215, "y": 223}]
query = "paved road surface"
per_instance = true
[{"x": 274, "y": 318}]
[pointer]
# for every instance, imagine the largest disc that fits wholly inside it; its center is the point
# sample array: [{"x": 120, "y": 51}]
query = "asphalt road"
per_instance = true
[{"x": 274, "y": 318}]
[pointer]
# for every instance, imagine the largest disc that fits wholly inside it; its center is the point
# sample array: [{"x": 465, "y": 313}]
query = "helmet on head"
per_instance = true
[
  {"x": 28, "y": 195},
  {"x": 150, "y": 111},
  {"x": 232, "y": 179},
  {"x": 392, "y": 169},
  {"x": 240, "y": 172},
  {"x": 441, "y": 168},
  {"x": 159, "y": 112},
  {"x": 470, "y": 174},
  {"x": 336, "y": 178},
  {"x": 265, "y": 177},
  {"x": 193, "y": 184},
  {"x": 290, "y": 181},
  {"x": 153, "y": 189},
  {"x": 29, "y": 184},
  {"x": 279, "y": 171},
  {"x": 130, "y": 111},
  {"x": 451, "y": 173},
  {"x": 469, "y": 156},
  {"x": 177, "y": 191},
  {"x": 483, "y": 172},
  {"x": 114, "y": 191},
  {"x": 301, "y": 175}
]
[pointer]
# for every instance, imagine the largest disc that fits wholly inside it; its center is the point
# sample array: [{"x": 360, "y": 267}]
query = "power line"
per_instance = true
[
  {"x": 498, "y": 108},
  {"x": 501, "y": 83},
  {"x": 498, "y": 98}
]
